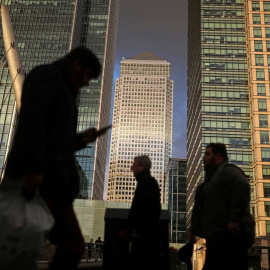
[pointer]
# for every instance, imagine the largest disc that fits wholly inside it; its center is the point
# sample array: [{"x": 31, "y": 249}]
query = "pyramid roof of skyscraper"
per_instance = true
[{"x": 146, "y": 56}]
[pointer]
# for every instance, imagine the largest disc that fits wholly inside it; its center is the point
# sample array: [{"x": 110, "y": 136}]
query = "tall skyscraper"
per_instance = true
[
  {"x": 258, "y": 48},
  {"x": 142, "y": 123},
  {"x": 228, "y": 95},
  {"x": 218, "y": 106},
  {"x": 99, "y": 32},
  {"x": 45, "y": 31},
  {"x": 176, "y": 177}
]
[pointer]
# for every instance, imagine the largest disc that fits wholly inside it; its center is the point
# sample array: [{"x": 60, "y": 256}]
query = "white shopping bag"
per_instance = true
[{"x": 24, "y": 226}]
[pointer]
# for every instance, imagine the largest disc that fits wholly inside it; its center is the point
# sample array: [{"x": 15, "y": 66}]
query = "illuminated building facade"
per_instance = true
[
  {"x": 228, "y": 97},
  {"x": 258, "y": 55},
  {"x": 142, "y": 123}
]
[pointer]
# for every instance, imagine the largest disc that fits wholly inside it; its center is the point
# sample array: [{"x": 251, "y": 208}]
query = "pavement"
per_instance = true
[{"x": 43, "y": 265}]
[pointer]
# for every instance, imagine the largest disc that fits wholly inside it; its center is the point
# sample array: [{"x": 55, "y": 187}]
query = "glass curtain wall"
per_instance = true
[{"x": 219, "y": 112}]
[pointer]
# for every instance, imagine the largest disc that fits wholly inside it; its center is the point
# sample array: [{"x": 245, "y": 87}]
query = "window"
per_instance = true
[
  {"x": 266, "y": 6},
  {"x": 259, "y": 60},
  {"x": 255, "y": 6},
  {"x": 257, "y": 32},
  {"x": 262, "y": 105},
  {"x": 267, "y": 209},
  {"x": 264, "y": 135},
  {"x": 267, "y": 32},
  {"x": 265, "y": 154},
  {"x": 256, "y": 19},
  {"x": 267, "y": 19},
  {"x": 268, "y": 46},
  {"x": 268, "y": 60},
  {"x": 263, "y": 120},
  {"x": 261, "y": 89},
  {"x": 252, "y": 209},
  {"x": 267, "y": 225},
  {"x": 260, "y": 74},
  {"x": 258, "y": 46},
  {"x": 266, "y": 175}
]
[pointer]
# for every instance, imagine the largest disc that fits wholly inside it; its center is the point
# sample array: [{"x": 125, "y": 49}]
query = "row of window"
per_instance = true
[
  {"x": 259, "y": 60},
  {"x": 149, "y": 66},
  {"x": 227, "y": 93},
  {"x": 258, "y": 46},
  {"x": 265, "y": 153},
  {"x": 257, "y": 32},
  {"x": 234, "y": 142},
  {"x": 226, "y": 109},
  {"x": 225, "y": 124},
  {"x": 223, "y": 13},
  {"x": 260, "y": 89},
  {"x": 223, "y": 25},
  {"x": 143, "y": 79},
  {"x": 260, "y": 74},
  {"x": 224, "y": 80},
  {"x": 237, "y": 52},
  {"x": 226, "y": 66},
  {"x": 258, "y": 18},
  {"x": 223, "y": 1},
  {"x": 256, "y": 6}
]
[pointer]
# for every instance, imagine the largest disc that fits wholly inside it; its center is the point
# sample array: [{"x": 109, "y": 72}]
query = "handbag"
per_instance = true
[{"x": 24, "y": 226}]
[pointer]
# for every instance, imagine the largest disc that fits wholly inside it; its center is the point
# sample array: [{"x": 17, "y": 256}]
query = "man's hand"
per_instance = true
[
  {"x": 233, "y": 227},
  {"x": 92, "y": 134},
  {"x": 31, "y": 183},
  {"x": 191, "y": 238}
]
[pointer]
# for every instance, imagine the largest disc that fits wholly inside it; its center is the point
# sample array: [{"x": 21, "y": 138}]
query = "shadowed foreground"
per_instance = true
[{"x": 82, "y": 265}]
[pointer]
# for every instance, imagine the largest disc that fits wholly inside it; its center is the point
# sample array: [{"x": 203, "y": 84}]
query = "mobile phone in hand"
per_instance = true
[{"x": 104, "y": 129}]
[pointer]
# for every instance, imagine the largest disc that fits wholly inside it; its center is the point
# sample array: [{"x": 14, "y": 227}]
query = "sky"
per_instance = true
[{"x": 158, "y": 27}]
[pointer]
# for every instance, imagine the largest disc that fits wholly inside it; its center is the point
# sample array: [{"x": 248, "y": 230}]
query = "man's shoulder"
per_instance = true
[
  {"x": 41, "y": 68},
  {"x": 148, "y": 183},
  {"x": 43, "y": 73},
  {"x": 153, "y": 180},
  {"x": 200, "y": 188},
  {"x": 230, "y": 168},
  {"x": 235, "y": 174}
]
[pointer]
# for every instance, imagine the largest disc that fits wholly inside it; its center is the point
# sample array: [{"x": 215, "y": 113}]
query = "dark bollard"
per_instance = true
[{"x": 117, "y": 239}]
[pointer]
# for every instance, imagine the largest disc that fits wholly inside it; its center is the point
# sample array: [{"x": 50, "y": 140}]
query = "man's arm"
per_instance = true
[
  {"x": 88, "y": 136},
  {"x": 195, "y": 228},
  {"x": 240, "y": 198}
]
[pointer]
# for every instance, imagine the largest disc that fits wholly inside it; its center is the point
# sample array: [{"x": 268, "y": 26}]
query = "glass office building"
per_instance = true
[
  {"x": 258, "y": 56},
  {"x": 176, "y": 178},
  {"x": 228, "y": 96},
  {"x": 99, "y": 32},
  {"x": 47, "y": 30},
  {"x": 218, "y": 105}
]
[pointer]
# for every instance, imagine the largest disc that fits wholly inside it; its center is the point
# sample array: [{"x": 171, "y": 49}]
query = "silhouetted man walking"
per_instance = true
[
  {"x": 90, "y": 246},
  {"x": 221, "y": 212},
  {"x": 42, "y": 154},
  {"x": 144, "y": 217},
  {"x": 99, "y": 249}
]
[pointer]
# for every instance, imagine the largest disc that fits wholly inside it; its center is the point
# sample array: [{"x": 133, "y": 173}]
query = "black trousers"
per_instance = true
[
  {"x": 66, "y": 235},
  {"x": 145, "y": 253},
  {"x": 228, "y": 252}
]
